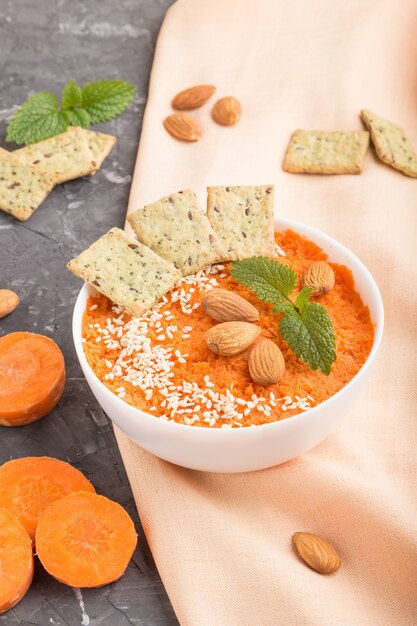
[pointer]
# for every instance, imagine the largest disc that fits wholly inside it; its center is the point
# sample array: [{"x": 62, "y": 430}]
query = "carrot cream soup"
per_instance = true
[{"x": 161, "y": 363}]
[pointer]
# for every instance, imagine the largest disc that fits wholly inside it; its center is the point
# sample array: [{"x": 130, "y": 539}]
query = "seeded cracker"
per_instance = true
[
  {"x": 22, "y": 188},
  {"x": 243, "y": 217},
  {"x": 177, "y": 229},
  {"x": 324, "y": 152},
  {"x": 125, "y": 271},
  {"x": 64, "y": 157},
  {"x": 100, "y": 146},
  {"x": 391, "y": 143}
]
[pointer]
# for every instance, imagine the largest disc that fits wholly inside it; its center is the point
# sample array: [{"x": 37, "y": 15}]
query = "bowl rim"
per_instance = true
[{"x": 280, "y": 223}]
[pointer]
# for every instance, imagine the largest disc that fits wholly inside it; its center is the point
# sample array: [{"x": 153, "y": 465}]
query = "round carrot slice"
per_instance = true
[
  {"x": 16, "y": 561},
  {"x": 30, "y": 484},
  {"x": 85, "y": 540},
  {"x": 32, "y": 378}
]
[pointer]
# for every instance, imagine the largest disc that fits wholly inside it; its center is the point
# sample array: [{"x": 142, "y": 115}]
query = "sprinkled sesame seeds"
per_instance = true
[
  {"x": 279, "y": 251},
  {"x": 145, "y": 355}
]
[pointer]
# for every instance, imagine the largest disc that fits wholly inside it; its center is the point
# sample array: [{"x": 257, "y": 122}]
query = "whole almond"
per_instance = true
[
  {"x": 316, "y": 552},
  {"x": 8, "y": 301},
  {"x": 266, "y": 363},
  {"x": 182, "y": 126},
  {"x": 193, "y": 97},
  {"x": 227, "y": 111},
  {"x": 319, "y": 277},
  {"x": 226, "y": 306},
  {"x": 230, "y": 338}
]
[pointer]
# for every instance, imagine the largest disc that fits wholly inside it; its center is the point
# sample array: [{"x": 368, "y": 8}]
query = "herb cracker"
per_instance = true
[
  {"x": 22, "y": 187},
  {"x": 178, "y": 230},
  {"x": 391, "y": 143},
  {"x": 64, "y": 157},
  {"x": 125, "y": 271},
  {"x": 243, "y": 217},
  {"x": 326, "y": 152}
]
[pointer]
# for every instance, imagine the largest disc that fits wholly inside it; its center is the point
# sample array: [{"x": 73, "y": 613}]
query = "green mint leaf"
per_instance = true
[
  {"x": 39, "y": 118},
  {"x": 72, "y": 95},
  {"x": 270, "y": 280},
  {"x": 77, "y": 117},
  {"x": 311, "y": 336},
  {"x": 303, "y": 298},
  {"x": 103, "y": 100},
  {"x": 305, "y": 326}
]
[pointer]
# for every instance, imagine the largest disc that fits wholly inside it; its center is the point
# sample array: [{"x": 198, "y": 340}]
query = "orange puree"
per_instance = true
[{"x": 161, "y": 364}]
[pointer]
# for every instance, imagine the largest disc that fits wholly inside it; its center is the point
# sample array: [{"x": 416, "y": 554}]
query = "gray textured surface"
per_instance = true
[{"x": 43, "y": 44}]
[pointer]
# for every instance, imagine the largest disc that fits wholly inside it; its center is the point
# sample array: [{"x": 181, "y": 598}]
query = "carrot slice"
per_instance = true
[
  {"x": 85, "y": 540},
  {"x": 30, "y": 484},
  {"x": 16, "y": 561},
  {"x": 32, "y": 378}
]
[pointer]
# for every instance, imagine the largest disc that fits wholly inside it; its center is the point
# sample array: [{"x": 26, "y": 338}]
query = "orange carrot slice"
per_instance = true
[
  {"x": 30, "y": 484},
  {"x": 32, "y": 378},
  {"x": 16, "y": 561},
  {"x": 85, "y": 540}
]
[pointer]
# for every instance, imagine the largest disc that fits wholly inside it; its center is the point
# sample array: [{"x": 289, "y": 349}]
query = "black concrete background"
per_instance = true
[{"x": 43, "y": 44}]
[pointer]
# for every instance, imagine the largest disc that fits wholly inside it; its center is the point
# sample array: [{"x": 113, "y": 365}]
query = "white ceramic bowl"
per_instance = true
[{"x": 242, "y": 449}]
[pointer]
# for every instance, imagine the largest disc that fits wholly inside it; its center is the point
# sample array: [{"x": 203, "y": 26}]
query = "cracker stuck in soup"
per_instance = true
[{"x": 160, "y": 362}]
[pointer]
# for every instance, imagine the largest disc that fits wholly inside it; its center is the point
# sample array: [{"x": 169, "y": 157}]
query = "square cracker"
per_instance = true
[
  {"x": 326, "y": 152},
  {"x": 391, "y": 143},
  {"x": 125, "y": 271},
  {"x": 100, "y": 146},
  {"x": 22, "y": 187},
  {"x": 64, "y": 157},
  {"x": 178, "y": 230},
  {"x": 243, "y": 217}
]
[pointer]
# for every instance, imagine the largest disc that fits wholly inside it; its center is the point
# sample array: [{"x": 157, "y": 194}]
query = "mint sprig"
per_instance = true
[
  {"x": 71, "y": 95},
  {"x": 305, "y": 326},
  {"x": 105, "y": 99},
  {"x": 42, "y": 116},
  {"x": 270, "y": 281},
  {"x": 39, "y": 118}
]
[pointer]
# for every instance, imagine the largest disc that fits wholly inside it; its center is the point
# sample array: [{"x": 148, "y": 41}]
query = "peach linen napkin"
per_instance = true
[{"x": 222, "y": 542}]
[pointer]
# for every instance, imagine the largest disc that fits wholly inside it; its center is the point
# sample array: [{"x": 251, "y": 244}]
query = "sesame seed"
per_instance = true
[
  {"x": 279, "y": 251},
  {"x": 134, "y": 354}
]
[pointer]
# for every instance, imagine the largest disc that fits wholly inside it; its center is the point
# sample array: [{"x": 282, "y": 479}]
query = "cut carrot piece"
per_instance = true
[
  {"x": 29, "y": 485},
  {"x": 16, "y": 561},
  {"x": 32, "y": 378},
  {"x": 85, "y": 540}
]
